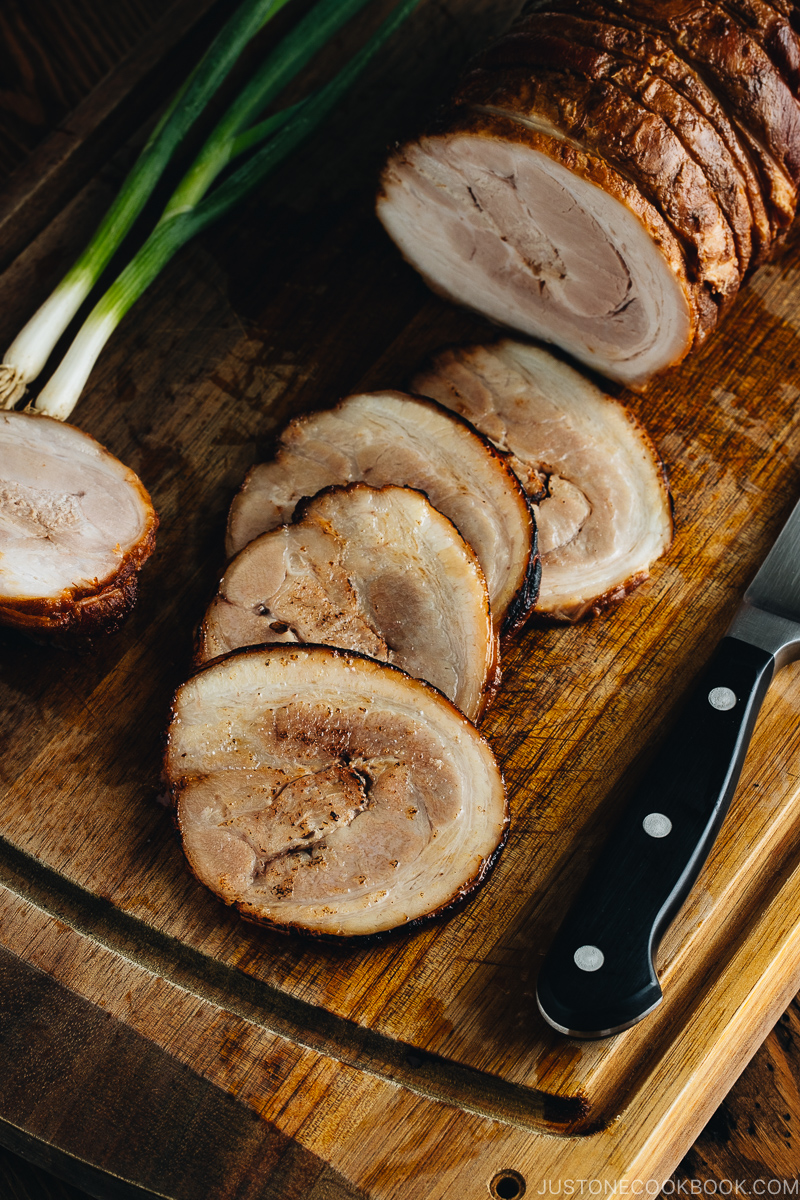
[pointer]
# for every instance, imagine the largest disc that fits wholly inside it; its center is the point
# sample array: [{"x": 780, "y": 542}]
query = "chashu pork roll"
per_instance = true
[
  {"x": 76, "y": 525},
  {"x": 377, "y": 570},
  {"x": 323, "y": 792}
]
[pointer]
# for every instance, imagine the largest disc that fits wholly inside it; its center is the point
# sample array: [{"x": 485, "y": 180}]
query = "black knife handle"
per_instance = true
[{"x": 599, "y": 976}]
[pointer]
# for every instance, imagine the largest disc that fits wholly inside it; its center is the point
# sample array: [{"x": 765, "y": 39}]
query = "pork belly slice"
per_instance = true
[
  {"x": 603, "y": 509},
  {"x": 323, "y": 792},
  {"x": 527, "y": 228},
  {"x": 374, "y": 570},
  {"x": 390, "y": 438},
  {"x": 75, "y": 527}
]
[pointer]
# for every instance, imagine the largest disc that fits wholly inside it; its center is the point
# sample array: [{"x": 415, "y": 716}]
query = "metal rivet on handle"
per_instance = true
[
  {"x": 589, "y": 958},
  {"x": 721, "y": 698},
  {"x": 657, "y": 825}
]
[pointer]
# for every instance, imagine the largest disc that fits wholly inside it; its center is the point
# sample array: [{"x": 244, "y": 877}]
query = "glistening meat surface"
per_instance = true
[
  {"x": 391, "y": 438},
  {"x": 328, "y": 793},
  {"x": 75, "y": 526},
  {"x": 603, "y": 508},
  {"x": 379, "y": 571},
  {"x": 524, "y": 226},
  {"x": 587, "y": 106}
]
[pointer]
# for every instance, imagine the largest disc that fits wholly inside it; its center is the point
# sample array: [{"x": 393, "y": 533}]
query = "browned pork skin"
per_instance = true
[
  {"x": 374, "y": 570},
  {"x": 567, "y": 88},
  {"x": 326, "y": 793},
  {"x": 603, "y": 508},
  {"x": 773, "y": 30},
  {"x": 528, "y": 228},
  {"x": 389, "y": 438},
  {"x": 631, "y": 59},
  {"x": 743, "y": 78},
  {"x": 75, "y": 527},
  {"x": 625, "y": 37},
  {"x": 712, "y": 38}
]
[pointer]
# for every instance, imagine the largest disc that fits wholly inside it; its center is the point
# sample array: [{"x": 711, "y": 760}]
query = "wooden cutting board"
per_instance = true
[{"x": 154, "y": 1041}]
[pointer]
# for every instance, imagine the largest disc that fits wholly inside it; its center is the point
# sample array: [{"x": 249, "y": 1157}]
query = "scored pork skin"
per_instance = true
[
  {"x": 602, "y": 502},
  {"x": 631, "y": 61},
  {"x": 379, "y": 571},
  {"x": 742, "y": 77},
  {"x": 589, "y": 108},
  {"x": 392, "y": 438},
  {"x": 527, "y": 227},
  {"x": 76, "y": 525},
  {"x": 323, "y": 792},
  {"x": 596, "y": 25}
]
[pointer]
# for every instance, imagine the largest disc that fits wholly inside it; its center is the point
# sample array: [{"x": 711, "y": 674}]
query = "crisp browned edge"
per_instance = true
[
  {"x": 520, "y": 82},
  {"x": 591, "y": 53},
  {"x": 779, "y": 218},
  {"x": 465, "y": 889},
  {"x": 754, "y": 152},
  {"x": 616, "y": 594},
  {"x": 91, "y": 609},
  {"x": 762, "y": 231}
]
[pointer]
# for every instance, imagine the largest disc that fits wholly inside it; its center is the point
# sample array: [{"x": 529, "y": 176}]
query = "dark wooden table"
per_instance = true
[{"x": 51, "y": 56}]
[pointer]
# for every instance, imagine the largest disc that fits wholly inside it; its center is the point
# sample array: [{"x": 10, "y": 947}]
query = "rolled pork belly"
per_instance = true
[
  {"x": 515, "y": 220},
  {"x": 377, "y": 570},
  {"x": 350, "y": 799},
  {"x": 705, "y": 125},
  {"x": 643, "y": 67},
  {"x": 602, "y": 504},
  {"x": 76, "y": 526},
  {"x": 606, "y": 174},
  {"x": 719, "y": 48}
]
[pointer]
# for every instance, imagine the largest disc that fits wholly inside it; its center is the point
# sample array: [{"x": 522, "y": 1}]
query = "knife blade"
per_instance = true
[{"x": 599, "y": 977}]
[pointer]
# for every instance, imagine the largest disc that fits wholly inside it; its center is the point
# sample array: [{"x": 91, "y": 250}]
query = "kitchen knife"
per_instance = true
[{"x": 599, "y": 977}]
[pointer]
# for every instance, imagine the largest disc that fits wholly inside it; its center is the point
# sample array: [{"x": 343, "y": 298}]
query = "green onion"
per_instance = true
[
  {"x": 192, "y": 207},
  {"x": 29, "y": 352},
  {"x": 32, "y": 347}
]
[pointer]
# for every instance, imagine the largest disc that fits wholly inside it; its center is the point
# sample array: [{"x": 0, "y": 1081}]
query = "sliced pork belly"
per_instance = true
[
  {"x": 528, "y": 228},
  {"x": 770, "y": 24},
  {"x": 742, "y": 77},
  {"x": 75, "y": 527},
  {"x": 323, "y": 792},
  {"x": 390, "y": 438},
  {"x": 608, "y": 27},
  {"x": 603, "y": 508},
  {"x": 568, "y": 88},
  {"x": 374, "y": 570},
  {"x": 753, "y": 87},
  {"x": 632, "y": 60}
]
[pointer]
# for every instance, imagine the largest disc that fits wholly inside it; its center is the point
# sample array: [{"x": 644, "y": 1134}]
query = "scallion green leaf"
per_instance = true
[
  {"x": 196, "y": 204},
  {"x": 32, "y": 347}
]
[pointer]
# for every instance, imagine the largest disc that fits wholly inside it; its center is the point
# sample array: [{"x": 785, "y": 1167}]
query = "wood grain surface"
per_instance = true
[{"x": 154, "y": 1041}]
